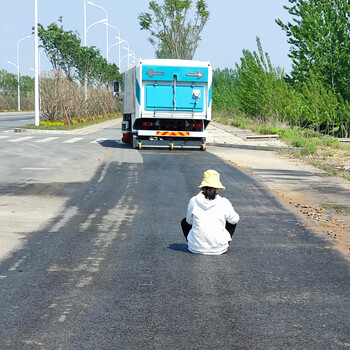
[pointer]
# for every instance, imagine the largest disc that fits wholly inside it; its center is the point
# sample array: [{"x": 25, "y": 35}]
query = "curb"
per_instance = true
[{"x": 259, "y": 148}]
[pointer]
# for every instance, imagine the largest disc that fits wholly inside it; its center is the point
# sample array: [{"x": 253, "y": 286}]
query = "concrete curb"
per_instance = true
[{"x": 259, "y": 148}]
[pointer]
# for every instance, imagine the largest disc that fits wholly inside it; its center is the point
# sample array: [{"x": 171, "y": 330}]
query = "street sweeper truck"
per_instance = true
[{"x": 167, "y": 102}]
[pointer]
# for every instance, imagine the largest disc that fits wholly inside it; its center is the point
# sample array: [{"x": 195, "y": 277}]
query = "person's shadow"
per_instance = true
[{"x": 179, "y": 247}]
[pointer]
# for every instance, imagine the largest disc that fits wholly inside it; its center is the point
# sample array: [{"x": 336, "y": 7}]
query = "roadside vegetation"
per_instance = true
[
  {"x": 8, "y": 92},
  {"x": 308, "y": 109},
  {"x": 78, "y": 89}
]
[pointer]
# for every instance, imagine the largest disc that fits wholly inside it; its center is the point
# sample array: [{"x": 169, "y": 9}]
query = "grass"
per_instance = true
[
  {"x": 324, "y": 152},
  {"x": 76, "y": 123}
]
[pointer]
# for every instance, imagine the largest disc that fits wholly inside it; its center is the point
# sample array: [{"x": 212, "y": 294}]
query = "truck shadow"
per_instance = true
[
  {"x": 120, "y": 144},
  {"x": 114, "y": 144}
]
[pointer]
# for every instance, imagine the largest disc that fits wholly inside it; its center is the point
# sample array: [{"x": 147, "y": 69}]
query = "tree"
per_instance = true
[
  {"x": 93, "y": 68},
  {"x": 8, "y": 82},
  {"x": 173, "y": 35},
  {"x": 60, "y": 46},
  {"x": 225, "y": 84},
  {"x": 78, "y": 63},
  {"x": 320, "y": 42}
]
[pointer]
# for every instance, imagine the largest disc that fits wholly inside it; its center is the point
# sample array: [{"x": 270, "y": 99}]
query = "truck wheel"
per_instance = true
[{"x": 139, "y": 145}]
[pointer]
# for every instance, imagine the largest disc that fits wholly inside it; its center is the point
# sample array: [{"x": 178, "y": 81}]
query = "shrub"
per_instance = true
[{"x": 65, "y": 100}]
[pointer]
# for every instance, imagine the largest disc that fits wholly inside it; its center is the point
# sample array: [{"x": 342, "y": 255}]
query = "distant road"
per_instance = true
[{"x": 10, "y": 120}]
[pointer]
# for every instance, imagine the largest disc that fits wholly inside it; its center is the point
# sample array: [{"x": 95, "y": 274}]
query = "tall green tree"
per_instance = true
[
  {"x": 320, "y": 42},
  {"x": 8, "y": 82},
  {"x": 92, "y": 68},
  {"x": 225, "y": 83},
  {"x": 60, "y": 46},
  {"x": 78, "y": 63},
  {"x": 172, "y": 33}
]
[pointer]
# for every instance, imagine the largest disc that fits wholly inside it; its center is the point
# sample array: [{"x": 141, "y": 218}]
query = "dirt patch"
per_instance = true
[
  {"x": 335, "y": 161},
  {"x": 334, "y": 221}
]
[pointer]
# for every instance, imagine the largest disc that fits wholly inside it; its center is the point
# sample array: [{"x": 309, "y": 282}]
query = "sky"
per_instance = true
[{"x": 232, "y": 27}]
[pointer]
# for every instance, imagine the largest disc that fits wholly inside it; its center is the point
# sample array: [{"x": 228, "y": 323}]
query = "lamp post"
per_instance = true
[
  {"x": 128, "y": 49},
  {"x": 36, "y": 62},
  {"x": 93, "y": 24},
  {"x": 119, "y": 41},
  {"x": 92, "y": 4},
  {"x": 133, "y": 56},
  {"x": 84, "y": 22},
  {"x": 18, "y": 72},
  {"x": 128, "y": 55}
]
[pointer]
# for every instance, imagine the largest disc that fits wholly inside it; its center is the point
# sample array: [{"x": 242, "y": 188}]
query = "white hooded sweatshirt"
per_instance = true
[{"x": 208, "y": 219}]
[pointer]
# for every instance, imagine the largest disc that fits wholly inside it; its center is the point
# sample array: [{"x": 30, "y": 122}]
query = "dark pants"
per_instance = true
[{"x": 187, "y": 227}]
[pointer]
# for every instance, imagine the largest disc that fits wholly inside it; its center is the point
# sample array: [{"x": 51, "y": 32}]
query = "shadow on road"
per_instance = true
[
  {"x": 114, "y": 144},
  {"x": 179, "y": 247}
]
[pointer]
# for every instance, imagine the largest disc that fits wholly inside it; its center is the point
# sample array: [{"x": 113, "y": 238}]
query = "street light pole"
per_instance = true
[
  {"x": 118, "y": 37},
  {"x": 93, "y": 24},
  {"x": 36, "y": 82},
  {"x": 18, "y": 73},
  {"x": 128, "y": 49},
  {"x": 84, "y": 22},
  {"x": 133, "y": 56},
  {"x": 91, "y": 3}
]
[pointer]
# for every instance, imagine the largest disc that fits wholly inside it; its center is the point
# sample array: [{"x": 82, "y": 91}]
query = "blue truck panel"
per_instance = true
[{"x": 184, "y": 98}]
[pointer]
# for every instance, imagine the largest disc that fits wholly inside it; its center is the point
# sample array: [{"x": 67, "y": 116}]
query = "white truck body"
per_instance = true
[{"x": 167, "y": 102}]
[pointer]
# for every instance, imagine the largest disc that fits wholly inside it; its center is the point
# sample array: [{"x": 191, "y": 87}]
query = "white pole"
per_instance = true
[
  {"x": 85, "y": 83},
  {"x": 36, "y": 83},
  {"x": 102, "y": 8},
  {"x": 110, "y": 25},
  {"x": 18, "y": 74},
  {"x": 18, "y": 82},
  {"x": 84, "y": 22}
]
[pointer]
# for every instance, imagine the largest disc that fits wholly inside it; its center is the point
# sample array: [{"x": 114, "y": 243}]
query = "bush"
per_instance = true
[
  {"x": 308, "y": 149},
  {"x": 65, "y": 100}
]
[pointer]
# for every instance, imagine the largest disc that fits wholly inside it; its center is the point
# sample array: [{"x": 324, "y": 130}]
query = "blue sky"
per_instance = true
[{"x": 232, "y": 27}]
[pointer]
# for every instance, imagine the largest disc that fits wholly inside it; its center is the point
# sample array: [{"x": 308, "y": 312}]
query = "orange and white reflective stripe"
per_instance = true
[{"x": 172, "y": 133}]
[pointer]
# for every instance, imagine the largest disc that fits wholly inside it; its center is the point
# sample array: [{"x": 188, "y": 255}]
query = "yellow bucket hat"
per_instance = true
[{"x": 211, "y": 178}]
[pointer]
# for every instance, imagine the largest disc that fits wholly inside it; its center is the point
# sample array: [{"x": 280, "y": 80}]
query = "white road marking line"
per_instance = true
[
  {"x": 35, "y": 169},
  {"x": 4, "y": 137},
  {"x": 98, "y": 140},
  {"x": 47, "y": 139},
  {"x": 74, "y": 139},
  {"x": 21, "y": 139}
]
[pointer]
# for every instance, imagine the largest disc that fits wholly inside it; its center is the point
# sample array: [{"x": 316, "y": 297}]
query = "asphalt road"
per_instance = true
[
  {"x": 15, "y": 119},
  {"x": 112, "y": 271}
]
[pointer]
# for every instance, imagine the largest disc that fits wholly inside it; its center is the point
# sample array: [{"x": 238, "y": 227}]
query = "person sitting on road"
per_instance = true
[{"x": 211, "y": 219}]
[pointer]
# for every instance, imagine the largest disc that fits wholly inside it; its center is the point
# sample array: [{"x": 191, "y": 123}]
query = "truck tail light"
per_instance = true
[
  {"x": 148, "y": 123},
  {"x": 196, "y": 125}
]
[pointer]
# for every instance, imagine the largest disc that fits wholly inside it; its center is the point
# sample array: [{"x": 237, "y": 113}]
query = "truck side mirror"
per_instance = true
[{"x": 116, "y": 89}]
